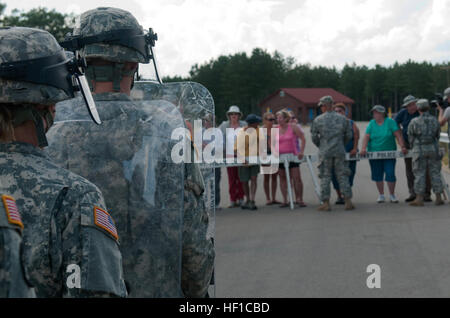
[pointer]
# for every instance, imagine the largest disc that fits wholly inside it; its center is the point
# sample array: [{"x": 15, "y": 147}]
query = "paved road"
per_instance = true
[{"x": 275, "y": 252}]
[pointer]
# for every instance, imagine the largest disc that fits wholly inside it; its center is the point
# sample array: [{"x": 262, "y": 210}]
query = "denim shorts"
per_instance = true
[{"x": 383, "y": 168}]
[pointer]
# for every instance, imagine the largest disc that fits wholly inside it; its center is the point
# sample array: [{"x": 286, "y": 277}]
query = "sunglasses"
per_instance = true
[{"x": 271, "y": 119}]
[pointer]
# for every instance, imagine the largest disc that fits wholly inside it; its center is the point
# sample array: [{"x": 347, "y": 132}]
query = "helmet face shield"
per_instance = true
[
  {"x": 58, "y": 70},
  {"x": 87, "y": 97}
]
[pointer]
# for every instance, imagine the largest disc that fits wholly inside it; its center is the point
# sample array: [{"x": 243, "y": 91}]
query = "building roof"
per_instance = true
[{"x": 312, "y": 95}]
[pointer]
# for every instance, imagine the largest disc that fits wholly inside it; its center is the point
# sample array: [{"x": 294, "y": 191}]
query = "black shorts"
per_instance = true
[{"x": 291, "y": 165}]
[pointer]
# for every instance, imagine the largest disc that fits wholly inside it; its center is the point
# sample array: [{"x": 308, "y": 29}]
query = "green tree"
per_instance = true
[{"x": 58, "y": 24}]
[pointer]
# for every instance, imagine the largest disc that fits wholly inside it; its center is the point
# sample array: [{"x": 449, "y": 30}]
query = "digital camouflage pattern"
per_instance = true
[
  {"x": 58, "y": 214},
  {"x": 105, "y": 19},
  {"x": 20, "y": 44},
  {"x": 162, "y": 227},
  {"x": 423, "y": 134},
  {"x": 330, "y": 132},
  {"x": 12, "y": 280}
]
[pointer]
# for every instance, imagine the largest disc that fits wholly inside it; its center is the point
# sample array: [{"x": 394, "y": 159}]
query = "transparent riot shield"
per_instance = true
[
  {"x": 129, "y": 158},
  {"x": 196, "y": 105}
]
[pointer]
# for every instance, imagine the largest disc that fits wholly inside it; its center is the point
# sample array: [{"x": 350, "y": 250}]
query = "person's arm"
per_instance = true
[
  {"x": 401, "y": 141},
  {"x": 299, "y": 133},
  {"x": 315, "y": 136},
  {"x": 198, "y": 251},
  {"x": 364, "y": 145},
  {"x": 356, "y": 135},
  {"x": 83, "y": 243},
  {"x": 443, "y": 116},
  {"x": 411, "y": 136}
]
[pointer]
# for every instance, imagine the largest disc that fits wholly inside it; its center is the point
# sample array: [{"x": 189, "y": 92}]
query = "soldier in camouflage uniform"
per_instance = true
[
  {"x": 330, "y": 132},
  {"x": 423, "y": 134},
  {"x": 166, "y": 252},
  {"x": 68, "y": 251}
]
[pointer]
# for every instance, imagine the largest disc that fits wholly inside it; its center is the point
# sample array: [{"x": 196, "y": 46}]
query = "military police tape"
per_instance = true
[{"x": 285, "y": 159}]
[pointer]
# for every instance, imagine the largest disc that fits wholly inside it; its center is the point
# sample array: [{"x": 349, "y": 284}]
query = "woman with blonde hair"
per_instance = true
[
  {"x": 268, "y": 124},
  {"x": 289, "y": 134}
]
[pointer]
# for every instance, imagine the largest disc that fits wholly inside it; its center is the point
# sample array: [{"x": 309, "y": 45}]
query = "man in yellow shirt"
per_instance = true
[{"x": 247, "y": 145}]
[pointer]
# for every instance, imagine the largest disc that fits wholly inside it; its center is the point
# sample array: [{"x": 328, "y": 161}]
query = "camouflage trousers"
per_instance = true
[
  {"x": 421, "y": 163},
  {"x": 342, "y": 172}
]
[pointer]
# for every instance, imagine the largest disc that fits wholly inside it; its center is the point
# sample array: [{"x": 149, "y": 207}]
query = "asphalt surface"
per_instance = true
[{"x": 274, "y": 252}]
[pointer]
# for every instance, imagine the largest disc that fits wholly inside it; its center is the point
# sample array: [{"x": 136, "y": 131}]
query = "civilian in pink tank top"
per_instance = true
[{"x": 287, "y": 142}]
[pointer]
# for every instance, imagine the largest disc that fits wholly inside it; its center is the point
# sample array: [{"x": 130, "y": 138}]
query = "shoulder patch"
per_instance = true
[
  {"x": 103, "y": 220},
  {"x": 12, "y": 212}
]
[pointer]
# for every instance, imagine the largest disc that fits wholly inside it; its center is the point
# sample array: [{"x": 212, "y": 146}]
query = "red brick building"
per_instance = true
[{"x": 303, "y": 101}]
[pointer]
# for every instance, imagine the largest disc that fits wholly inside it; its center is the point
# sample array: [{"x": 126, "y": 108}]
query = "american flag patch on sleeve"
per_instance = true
[
  {"x": 103, "y": 220},
  {"x": 12, "y": 212}
]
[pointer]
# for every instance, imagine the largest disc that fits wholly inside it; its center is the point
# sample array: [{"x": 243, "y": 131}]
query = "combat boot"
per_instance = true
[
  {"x": 348, "y": 204},
  {"x": 439, "y": 200},
  {"x": 325, "y": 206},
  {"x": 418, "y": 201}
]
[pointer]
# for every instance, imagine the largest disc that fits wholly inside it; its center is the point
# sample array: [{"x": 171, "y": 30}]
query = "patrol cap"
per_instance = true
[
  {"x": 408, "y": 100},
  {"x": 253, "y": 119},
  {"x": 378, "y": 108},
  {"x": 423, "y": 104},
  {"x": 326, "y": 100},
  {"x": 447, "y": 92}
]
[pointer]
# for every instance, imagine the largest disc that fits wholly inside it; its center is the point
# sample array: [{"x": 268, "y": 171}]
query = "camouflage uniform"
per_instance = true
[
  {"x": 58, "y": 212},
  {"x": 127, "y": 128},
  {"x": 423, "y": 134},
  {"x": 66, "y": 251},
  {"x": 12, "y": 280},
  {"x": 330, "y": 132}
]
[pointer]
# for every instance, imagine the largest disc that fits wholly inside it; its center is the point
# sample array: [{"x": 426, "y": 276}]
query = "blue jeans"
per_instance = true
[{"x": 383, "y": 168}]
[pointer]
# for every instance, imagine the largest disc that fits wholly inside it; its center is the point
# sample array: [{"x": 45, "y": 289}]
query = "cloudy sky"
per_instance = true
[{"x": 319, "y": 32}]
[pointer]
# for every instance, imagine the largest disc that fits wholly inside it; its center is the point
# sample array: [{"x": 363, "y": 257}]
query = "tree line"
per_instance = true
[{"x": 245, "y": 80}]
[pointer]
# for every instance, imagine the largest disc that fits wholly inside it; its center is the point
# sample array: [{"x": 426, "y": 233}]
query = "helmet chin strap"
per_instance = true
[{"x": 26, "y": 113}]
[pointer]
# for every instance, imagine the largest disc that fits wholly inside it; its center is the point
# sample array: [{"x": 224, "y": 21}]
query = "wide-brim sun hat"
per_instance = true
[
  {"x": 234, "y": 110},
  {"x": 408, "y": 100}
]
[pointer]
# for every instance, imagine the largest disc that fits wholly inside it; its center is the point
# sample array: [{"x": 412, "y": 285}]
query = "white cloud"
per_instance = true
[{"x": 320, "y": 32}]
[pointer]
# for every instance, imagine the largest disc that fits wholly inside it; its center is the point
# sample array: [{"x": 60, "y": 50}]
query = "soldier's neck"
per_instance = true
[
  {"x": 26, "y": 133},
  {"x": 107, "y": 87}
]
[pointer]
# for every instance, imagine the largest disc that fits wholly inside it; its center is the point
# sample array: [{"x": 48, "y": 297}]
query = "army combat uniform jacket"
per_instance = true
[
  {"x": 12, "y": 280},
  {"x": 70, "y": 242}
]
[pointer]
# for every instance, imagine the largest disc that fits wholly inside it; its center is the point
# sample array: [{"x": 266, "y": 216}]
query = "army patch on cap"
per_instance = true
[
  {"x": 12, "y": 212},
  {"x": 103, "y": 220}
]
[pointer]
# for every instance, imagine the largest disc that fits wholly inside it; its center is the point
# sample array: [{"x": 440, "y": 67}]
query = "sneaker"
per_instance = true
[
  {"x": 340, "y": 201},
  {"x": 427, "y": 198},
  {"x": 252, "y": 206},
  {"x": 381, "y": 198},
  {"x": 393, "y": 198},
  {"x": 411, "y": 198}
]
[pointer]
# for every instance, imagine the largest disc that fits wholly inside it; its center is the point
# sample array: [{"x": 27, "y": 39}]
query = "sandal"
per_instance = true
[
  {"x": 276, "y": 202},
  {"x": 269, "y": 203},
  {"x": 301, "y": 204},
  {"x": 284, "y": 205}
]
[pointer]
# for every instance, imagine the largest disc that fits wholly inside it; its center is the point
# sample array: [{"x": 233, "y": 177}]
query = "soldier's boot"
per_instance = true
[
  {"x": 325, "y": 206},
  {"x": 418, "y": 201},
  {"x": 348, "y": 204},
  {"x": 439, "y": 200}
]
